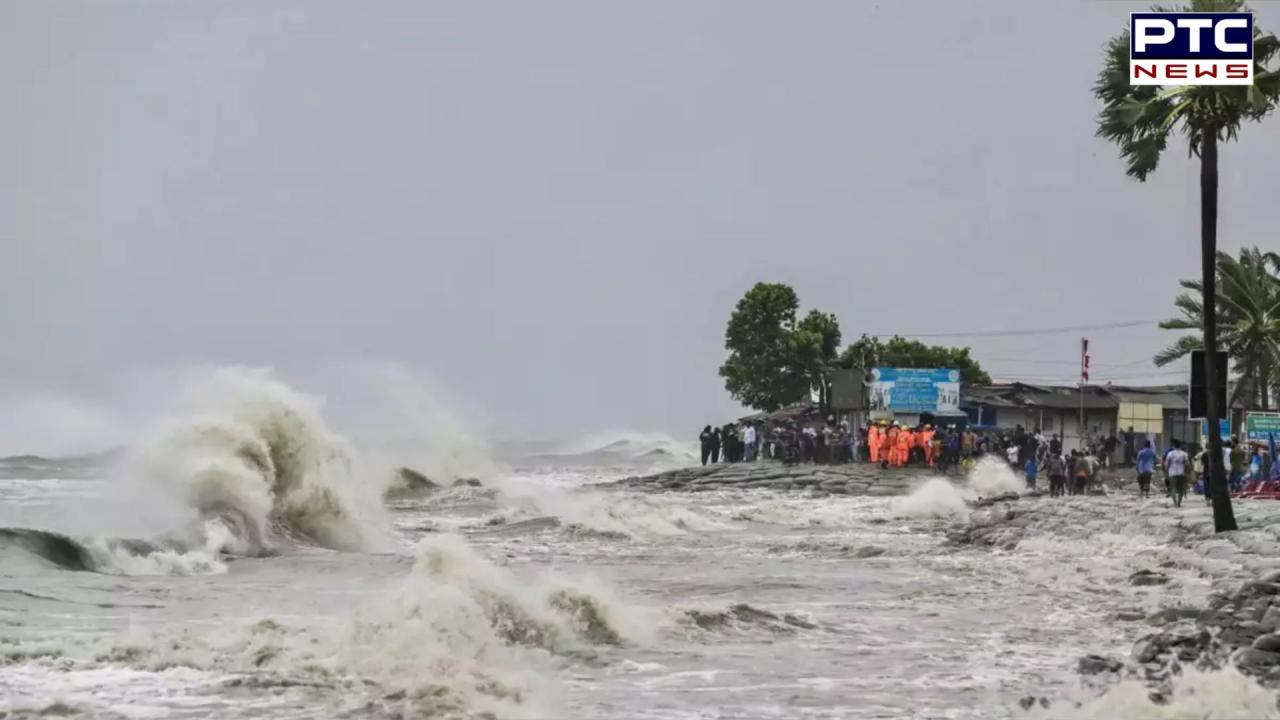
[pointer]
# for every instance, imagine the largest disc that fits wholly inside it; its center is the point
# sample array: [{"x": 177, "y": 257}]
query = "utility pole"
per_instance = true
[{"x": 1084, "y": 378}]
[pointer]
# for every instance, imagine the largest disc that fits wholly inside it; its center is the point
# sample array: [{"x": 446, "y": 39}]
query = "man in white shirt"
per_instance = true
[
  {"x": 749, "y": 440},
  {"x": 1175, "y": 468}
]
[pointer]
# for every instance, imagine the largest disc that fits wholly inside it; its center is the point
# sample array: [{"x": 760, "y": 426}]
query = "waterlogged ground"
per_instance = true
[{"x": 547, "y": 598}]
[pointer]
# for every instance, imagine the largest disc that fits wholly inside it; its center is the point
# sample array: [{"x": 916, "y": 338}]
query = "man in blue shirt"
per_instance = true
[{"x": 1146, "y": 465}]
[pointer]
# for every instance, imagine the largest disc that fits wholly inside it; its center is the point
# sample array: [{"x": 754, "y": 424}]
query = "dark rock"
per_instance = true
[
  {"x": 1257, "y": 589},
  {"x": 415, "y": 480},
  {"x": 985, "y": 502},
  {"x": 868, "y": 552},
  {"x": 1216, "y": 618},
  {"x": 1256, "y": 659},
  {"x": 1095, "y": 664},
  {"x": 1186, "y": 645},
  {"x": 1270, "y": 643},
  {"x": 1130, "y": 615},
  {"x": 1241, "y": 635},
  {"x": 1271, "y": 619},
  {"x": 1148, "y": 577}
]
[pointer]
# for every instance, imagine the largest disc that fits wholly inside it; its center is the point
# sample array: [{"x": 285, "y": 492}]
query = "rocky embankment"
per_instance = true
[
  {"x": 1238, "y": 625},
  {"x": 852, "y": 479}
]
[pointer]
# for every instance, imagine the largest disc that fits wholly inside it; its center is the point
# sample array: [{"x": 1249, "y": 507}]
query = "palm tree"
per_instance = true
[
  {"x": 1140, "y": 119},
  {"x": 1248, "y": 305}
]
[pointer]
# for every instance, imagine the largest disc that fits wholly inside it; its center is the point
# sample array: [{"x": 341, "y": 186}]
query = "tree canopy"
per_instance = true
[
  {"x": 1248, "y": 312},
  {"x": 1140, "y": 118},
  {"x": 774, "y": 361},
  {"x": 899, "y": 352}
]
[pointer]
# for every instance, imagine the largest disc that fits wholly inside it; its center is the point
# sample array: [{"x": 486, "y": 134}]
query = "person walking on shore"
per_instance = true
[
  {"x": 1146, "y": 466},
  {"x": 1031, "y": 470},
  {"x": 873, "y": 443},
  {"x": 749, "y": 442},
  {"x": 1235, "y": 460},
  {"x": 715, "y": 446},
  {"x": 1056, "y": 467},
  {"x": 1175, "y": 468},
  {"x": 1086, "y": 466},
  {"x": 705, "y": 440}
]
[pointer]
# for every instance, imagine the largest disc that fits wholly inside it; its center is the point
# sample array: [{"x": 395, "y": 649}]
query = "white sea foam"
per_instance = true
[
  {"x": 992, "y": 477},
  {"x": 937, "y": 497},
  {"x": 458, "y": 637},
  {"x": 630, "y": 515},
  {"x": 1213, "y": 695},
  {"x": 257, "y": 457}
]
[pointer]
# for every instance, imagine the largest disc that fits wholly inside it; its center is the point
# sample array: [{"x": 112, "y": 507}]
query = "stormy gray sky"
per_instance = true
[{"x": 549, "y": 209}]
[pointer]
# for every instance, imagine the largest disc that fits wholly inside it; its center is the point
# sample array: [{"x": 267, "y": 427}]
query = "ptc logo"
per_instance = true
[{"x": 1189, "y": 48}]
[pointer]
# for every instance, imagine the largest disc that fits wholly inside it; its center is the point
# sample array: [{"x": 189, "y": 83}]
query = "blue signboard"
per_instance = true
[
  {"x": 1223, "y": 424},
  {"x": 915, "y": 390}
]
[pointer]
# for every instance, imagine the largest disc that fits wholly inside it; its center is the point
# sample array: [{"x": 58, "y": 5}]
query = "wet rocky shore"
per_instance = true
[
  {"x": 849, "y": 479},
  {"x": 1238, "y": 624}
]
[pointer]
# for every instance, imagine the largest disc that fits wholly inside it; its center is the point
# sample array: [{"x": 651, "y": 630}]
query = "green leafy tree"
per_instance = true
[
  {"x": 817, "y": 341},
  {"x": 899, "y": 352},
  {"x": 765, "y": 368},
  {"x": 1139, "y": 119},
  {"x": 1248, "y": 306}
]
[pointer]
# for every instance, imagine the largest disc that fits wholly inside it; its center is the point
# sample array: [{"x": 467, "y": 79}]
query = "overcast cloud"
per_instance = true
[{"x": 550, "y": 208}]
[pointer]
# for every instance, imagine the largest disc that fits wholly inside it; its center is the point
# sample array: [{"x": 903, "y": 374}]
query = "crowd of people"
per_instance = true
[
  {"x": 790, "y": 442},
  {"x": 889, "y": 444},
  {"x": 1250, "y": 469}
]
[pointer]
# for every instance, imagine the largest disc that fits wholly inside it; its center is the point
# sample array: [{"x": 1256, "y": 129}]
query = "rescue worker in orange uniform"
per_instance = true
[
  {"x": 873, "y": 442},
  {"x": 889, "y": 445},
  {"x": 904, "y": 447}
]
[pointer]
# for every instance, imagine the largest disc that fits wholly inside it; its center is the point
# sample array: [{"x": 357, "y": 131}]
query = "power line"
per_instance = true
[
  {"x": 1068, "y": 363},
  {"x": 1095, "y": 378},
  {"x": 1029, "y": 331}
]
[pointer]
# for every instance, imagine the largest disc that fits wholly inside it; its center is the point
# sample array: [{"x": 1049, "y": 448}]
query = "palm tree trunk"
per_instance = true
[
  {"x": 1264, "y": 382},
  {"x": 1223, "y": 517}
]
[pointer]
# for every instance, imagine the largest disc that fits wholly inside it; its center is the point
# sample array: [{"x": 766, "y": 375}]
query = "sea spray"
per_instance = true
[
  {"x": 992, "y": 477},
  {"x": 401, "y": 419},
  {"x": 557, "y": 613},
  {"x": 257, "y": 458},
  {"x": 937, "y": 497}
]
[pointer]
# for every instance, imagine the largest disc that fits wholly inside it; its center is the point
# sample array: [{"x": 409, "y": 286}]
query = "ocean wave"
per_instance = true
[
  {"x": 117, "y": 556},
  {"x": 458, "y": 637},
  {"x": 593, "y": 514},
  {"x": 257, "y": 459},
  {"x": 620, "y": 449}
]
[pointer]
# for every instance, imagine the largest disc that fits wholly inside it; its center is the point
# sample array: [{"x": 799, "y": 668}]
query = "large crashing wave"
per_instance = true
[{"x": 257, "y": 465}]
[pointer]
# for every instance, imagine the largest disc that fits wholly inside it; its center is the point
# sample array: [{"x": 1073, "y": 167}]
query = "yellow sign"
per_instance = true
[{"x": 1142, "y": 417}]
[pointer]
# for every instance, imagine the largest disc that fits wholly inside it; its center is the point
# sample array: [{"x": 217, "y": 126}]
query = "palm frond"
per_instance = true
[{"x": 1181, "y": 348}]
